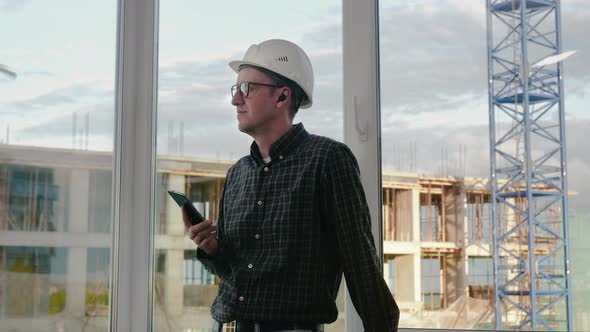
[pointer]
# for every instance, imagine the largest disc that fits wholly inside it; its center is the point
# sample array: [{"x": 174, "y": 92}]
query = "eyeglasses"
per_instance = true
[{"x": 244, "y": 88}]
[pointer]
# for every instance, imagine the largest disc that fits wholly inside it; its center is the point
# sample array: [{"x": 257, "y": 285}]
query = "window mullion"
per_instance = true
[
  {"x": 132, "y": 277},
  {"x": 362, "y": 128}
]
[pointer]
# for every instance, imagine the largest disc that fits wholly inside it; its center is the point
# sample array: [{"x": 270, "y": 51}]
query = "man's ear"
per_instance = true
[{"x": 283, "y": 96}]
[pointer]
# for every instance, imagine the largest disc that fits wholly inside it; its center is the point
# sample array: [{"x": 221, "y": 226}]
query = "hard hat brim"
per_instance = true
[{"x": 236, "y": 64}]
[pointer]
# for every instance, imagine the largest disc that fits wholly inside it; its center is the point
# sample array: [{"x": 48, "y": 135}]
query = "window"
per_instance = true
[
  {"x": 198, "y": 139},
  {"x": 480, "y": 271},
  {"x": 479, "y": 216},
  {"x": 431, "y": 278},
  {"x": 435, "y": 130},
  {"x": 57, "y": 119},
  {"x": 194, "y": 272},
  {"x": 57, "y": 132}
]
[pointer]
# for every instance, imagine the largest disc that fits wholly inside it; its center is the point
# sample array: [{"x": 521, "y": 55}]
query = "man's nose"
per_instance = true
[{"x": 237, "y": 98}]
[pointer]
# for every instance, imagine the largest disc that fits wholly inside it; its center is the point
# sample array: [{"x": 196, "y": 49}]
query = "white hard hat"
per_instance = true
[{"x": 284, "y": 58}]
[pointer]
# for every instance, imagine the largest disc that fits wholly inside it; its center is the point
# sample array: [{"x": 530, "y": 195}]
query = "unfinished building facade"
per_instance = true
[{"x": 56, "y": 224}]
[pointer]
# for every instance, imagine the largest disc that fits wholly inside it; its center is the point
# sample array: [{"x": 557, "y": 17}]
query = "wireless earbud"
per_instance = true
[{"x": 281, "y": 98}]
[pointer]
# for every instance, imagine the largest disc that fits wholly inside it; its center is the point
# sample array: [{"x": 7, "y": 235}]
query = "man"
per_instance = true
[{"x": 293, "y": 216}]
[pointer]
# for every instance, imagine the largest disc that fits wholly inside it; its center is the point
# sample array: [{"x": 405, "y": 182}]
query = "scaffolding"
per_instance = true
[{"x": 528, "y": 166}]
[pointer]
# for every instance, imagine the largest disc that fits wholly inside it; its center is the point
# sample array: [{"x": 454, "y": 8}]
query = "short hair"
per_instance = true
[{"x": 297, "y": 94}]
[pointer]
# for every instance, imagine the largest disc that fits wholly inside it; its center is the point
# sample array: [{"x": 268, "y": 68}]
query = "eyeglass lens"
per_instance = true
[{"x": 244, "y": 89}]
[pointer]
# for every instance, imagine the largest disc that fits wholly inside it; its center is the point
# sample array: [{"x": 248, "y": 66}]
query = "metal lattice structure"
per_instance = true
[{"x": 528, "y": 166}]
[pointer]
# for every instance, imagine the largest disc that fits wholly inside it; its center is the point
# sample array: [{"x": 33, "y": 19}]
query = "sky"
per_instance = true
[{"x": 433, "y": 62}]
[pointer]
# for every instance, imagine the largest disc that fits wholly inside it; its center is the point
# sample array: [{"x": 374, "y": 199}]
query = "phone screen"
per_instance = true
[
  {"x": 193, "y": 215},
  {"x": 178, "y": 197}
]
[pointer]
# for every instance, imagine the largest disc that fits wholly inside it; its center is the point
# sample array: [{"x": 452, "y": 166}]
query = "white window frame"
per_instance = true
[
  {"x": 362, "y": 122},
  {"x": 134, "y": 165}
]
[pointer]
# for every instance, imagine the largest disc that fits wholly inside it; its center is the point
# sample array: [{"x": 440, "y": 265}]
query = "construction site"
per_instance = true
[{"x": 436, "y": 240}]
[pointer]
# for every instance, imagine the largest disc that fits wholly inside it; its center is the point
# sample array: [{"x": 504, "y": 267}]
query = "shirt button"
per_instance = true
[
  {"x": 266, "y": 169},
  {"x": 280, "y": 157},
  {"x": 241, "y": 298},
  {"x": 250, "y": 266},
  {"x": 259, "y": 202},
  {"x": 257, "y": 236}
]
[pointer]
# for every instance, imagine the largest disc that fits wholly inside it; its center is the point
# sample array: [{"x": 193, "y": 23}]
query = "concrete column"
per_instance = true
[
  {"x": 174, "y": 283},
  {"x": 407, "y": 215},
  {"x": 455, "y": 278},
  {"x": 468, "y": 225},
  {"x": 76, "y": 277},
  {"x": 454, "y": 201},
  {"x": 403, "y": 215},
  {"x": 174, "y": 225},
  {"x": 408, "y": 276},
  {"x": 173, "y": 279},
  {"x": 416, "y": 217}
]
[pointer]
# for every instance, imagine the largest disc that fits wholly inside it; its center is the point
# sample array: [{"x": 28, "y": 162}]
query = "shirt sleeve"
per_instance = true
[
  {"x": 217, "y": 264},
  {"x": 345, "y": 205}
]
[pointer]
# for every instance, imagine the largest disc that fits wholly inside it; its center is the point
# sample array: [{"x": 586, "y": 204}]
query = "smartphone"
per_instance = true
[{"x": 193, "y": 215}]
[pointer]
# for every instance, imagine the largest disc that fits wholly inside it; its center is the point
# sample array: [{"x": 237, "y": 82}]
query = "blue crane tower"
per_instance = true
[{"x": 528, "y": 165}]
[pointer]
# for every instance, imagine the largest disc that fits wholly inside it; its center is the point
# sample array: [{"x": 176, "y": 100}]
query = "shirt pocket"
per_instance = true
[{"x": 237, "y": 206}]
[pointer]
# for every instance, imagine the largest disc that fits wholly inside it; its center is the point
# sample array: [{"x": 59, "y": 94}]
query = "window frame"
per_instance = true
[
  {"x": 362, "y": 120},
  {"x": 134, "y": 166}
]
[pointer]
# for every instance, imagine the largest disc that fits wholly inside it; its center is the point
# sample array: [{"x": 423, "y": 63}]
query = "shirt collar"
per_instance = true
[{"x": 282, "y": 147}]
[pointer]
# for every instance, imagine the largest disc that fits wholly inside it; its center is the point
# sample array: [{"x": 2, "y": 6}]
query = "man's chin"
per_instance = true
[{"x": 244, "y": 128}]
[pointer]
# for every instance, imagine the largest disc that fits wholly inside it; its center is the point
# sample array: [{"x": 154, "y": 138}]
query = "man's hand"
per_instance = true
[{"x": 203, "y": 234}]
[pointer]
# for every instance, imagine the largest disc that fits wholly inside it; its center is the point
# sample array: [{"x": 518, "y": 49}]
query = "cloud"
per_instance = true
[
  {"x": 433, "y": 49},
  {"x": 433, "y": 91},
  {"x": 326, "y": 34},
  {"x": 78, "y": 93},
  {"x": 194, "y": 71},
  {"x": 101, "y": 118},
  {"x": 470, "y": 110},
  {"x": 36, "y": 73},
  {"x": 12, "y": 6},
  {"x": 575, "y": 37},
  {"x": 442, "y": 52}
]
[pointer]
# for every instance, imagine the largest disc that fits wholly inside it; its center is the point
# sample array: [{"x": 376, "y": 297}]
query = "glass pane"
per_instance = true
[
  {"x": 577, "y": 97},
  {"x": 432, "y": 57},
  {"x": 436, "y": 160},
  {"x": 198, "y": 137},
  {"x": 57, "y": 74}
]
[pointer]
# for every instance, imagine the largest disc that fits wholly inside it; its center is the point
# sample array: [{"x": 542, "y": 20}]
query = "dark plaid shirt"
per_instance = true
[{"x": 287, "y": 232}]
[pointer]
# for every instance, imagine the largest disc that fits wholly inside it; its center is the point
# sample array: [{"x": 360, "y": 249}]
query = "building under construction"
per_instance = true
[{"x": 436, "y": 242}]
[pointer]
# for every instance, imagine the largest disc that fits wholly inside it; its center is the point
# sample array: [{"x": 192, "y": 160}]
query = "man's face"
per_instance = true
[{"x": 257, "y": 112}]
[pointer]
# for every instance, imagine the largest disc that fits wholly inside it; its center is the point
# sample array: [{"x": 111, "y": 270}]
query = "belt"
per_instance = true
[{"x": 252, "y": 326}]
